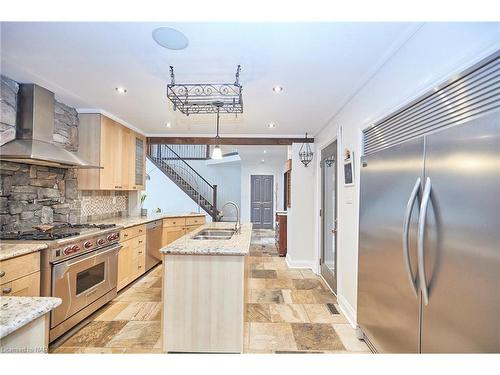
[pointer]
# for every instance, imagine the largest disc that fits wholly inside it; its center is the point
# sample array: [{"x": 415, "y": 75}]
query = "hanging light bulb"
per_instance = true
[{"x": 217, "y": 152}]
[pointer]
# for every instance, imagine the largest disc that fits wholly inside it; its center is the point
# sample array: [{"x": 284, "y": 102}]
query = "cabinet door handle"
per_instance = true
[
  {"x": 7, "y": 290},
  {"x": 2, "y": 273},
  {"x": 125, "y": 235}
]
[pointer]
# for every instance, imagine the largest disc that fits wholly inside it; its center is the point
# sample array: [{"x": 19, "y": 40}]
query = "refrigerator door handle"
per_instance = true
[
  {"x": 420, "y": 240},
  {"x": 406, "y": 228}
]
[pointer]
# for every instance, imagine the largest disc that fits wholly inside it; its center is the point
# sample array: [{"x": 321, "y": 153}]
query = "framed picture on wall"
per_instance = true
[{"x": 348, "y": 168}]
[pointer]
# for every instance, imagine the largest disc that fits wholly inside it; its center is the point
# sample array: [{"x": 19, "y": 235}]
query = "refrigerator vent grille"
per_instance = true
[{"x": 475, "y": 92}]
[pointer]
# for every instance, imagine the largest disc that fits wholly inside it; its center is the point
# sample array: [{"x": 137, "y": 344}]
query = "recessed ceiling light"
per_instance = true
[
  {"x": 170, "y": 38},
  {"x": 169, "y": 125},
  {"x": 121, "y": 90},
  {"x": 277, "y": 89},
  {"x": 271, "y": 125},
  {"x": 262, "y": 160},
  {"x": 265, "y": 151}
]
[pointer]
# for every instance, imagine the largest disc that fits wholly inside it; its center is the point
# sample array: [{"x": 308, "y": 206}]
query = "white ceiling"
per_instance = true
[
  {"x": 320, "y": 66},
  {"x": 252, "y": 153}
]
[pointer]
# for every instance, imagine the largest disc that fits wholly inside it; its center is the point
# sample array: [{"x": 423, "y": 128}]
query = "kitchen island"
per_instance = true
[
  {"x": 203, "y": 291},
  {"x": 24, "y": 323}
]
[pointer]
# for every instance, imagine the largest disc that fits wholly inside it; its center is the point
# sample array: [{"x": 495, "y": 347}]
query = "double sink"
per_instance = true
[{"x": 214, "y": 234}]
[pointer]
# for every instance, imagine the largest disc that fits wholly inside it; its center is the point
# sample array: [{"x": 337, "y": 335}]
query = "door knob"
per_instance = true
[{"x": 334, "y": 231}]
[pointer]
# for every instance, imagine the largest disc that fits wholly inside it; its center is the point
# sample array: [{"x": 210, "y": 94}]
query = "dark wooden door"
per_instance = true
[{"x": 261, "y": 202}]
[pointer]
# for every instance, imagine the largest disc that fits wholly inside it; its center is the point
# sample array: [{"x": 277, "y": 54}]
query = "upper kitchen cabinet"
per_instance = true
[{"x": 120, "y": 152}]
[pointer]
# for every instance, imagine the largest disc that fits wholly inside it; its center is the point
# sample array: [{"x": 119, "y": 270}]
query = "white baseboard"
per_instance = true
[
  {"x": 347, "y": 310},
  {"x": 299, "y": 263}
]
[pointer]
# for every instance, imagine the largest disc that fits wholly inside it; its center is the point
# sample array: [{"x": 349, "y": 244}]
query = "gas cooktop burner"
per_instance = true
[
  {"x": 88, "y": 226},
  {"x": 37, "y": 235},
  {"x": 62, "y": 230}
]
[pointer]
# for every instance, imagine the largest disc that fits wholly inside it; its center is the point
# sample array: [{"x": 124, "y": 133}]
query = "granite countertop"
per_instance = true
[
  {"x": 130, "y": 221},
  {"x": 239, "y": 244},
  {"x": 12, "y": 250},
  {"x": 16, "y": 312}
]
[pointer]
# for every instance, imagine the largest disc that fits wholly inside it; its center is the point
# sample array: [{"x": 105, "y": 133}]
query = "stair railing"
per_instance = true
[
  {"x": 185, "y": 176},
  {"x": 191, "y": 152}
]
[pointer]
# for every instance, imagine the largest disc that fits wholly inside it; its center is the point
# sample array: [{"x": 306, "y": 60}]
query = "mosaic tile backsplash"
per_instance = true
[{"x": 100, "y": 205}]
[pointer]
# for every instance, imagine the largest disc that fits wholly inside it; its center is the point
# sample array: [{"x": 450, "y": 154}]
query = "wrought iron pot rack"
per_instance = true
[{"x": 198, "y": 98}]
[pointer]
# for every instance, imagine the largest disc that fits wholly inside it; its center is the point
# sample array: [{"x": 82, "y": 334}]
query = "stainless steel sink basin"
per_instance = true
[{"x": 214, "y": 234}]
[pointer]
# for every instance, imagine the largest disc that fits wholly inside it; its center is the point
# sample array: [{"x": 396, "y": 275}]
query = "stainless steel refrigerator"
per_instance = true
[{"x": 429, "y": 244}]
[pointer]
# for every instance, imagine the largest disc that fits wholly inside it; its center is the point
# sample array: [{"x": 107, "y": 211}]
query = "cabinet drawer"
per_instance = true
[
  {"x": 141, "y": 241},
  {"x": 132, "y": 232},
  {"x": 27, "y": 286},
  {"x": 174, "y": 222},
  {"x": 191, "y": 228},
  {"x": 15, "y": 268},
  {"x": 195, "y": 220},
  {"x": 138, "y": 261}
]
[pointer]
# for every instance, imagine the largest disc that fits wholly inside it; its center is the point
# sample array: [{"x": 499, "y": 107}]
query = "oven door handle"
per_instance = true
[{"x": 61, "y": 268}]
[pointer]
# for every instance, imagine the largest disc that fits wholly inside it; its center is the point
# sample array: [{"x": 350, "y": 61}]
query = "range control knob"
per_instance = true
[
  {"x": 71, "y": 249},
  {"x": 112, "y": 236},
  {"x": 101, "y": 241},
  {"x": 87, "y": 245}
]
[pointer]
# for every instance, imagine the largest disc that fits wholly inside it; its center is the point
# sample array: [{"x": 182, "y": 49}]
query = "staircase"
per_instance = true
[{"x": 184, "y": 176}]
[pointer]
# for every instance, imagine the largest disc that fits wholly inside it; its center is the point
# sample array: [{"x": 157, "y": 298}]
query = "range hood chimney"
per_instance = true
[{"x": 34, "y": 132}]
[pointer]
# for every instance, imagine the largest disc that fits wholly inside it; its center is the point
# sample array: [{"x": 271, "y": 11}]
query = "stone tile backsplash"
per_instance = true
[{"x": 31, "y": 195}]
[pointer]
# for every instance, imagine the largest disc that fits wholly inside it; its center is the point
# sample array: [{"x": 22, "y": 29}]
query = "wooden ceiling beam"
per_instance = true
[{"x": 228, "y": 141}]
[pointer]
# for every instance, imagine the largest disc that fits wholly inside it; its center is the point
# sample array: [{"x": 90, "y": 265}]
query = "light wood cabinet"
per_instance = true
[
  {"x": 26, "y": 286},
  {"x": 113, "y": 146},
  {"x": 139, "y": 257},
  {"x": 132, "y": 255},
  {"x": 170, "y": 234},
  {"x": 176, "y": 227},
  {"x": 124, "y": 264},
  {"x": 20, "y": 276}
]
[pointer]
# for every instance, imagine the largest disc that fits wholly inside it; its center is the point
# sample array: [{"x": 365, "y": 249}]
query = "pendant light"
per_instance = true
[
  {"x": 305, "y": 153},
  {"x": 217, "y": 152}
]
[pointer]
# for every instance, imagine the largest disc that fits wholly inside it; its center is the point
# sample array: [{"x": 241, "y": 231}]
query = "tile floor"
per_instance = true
[
  {"x": 287, "y": 310},
  {"x": 291, "y": 310}
]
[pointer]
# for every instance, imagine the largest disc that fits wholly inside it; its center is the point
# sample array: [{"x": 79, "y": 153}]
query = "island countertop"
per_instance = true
[
  {"x": 16, "y": 312},
  {"x": 238, "y": 244}
]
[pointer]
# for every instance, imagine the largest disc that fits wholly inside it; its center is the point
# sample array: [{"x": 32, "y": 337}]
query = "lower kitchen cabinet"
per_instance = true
[
  {"x": 132, "y": 257},
  {"x": 20, "y": 276},
  {"x": 174, "y": 228},
  {"x": 27, "y": 286},
  {"x": 170, "y": 234},
  {"x": 124, "y": 265}
]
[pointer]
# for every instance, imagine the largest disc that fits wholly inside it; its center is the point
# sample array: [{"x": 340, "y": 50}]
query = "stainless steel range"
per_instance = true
[{"x": 79, "y": 266}]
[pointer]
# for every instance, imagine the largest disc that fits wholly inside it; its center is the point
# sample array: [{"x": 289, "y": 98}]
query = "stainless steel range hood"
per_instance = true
[{"x": 34, "y": 133}]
